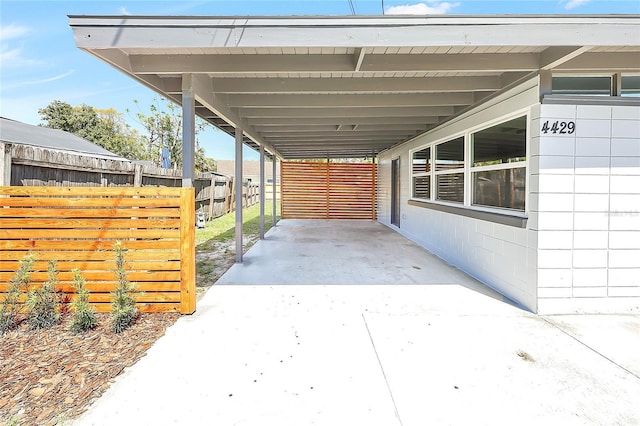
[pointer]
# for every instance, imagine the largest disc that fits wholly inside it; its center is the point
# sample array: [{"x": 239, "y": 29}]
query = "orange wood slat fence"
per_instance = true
[
  {"x": 78, "y": 227},
  {"x": 328, "y": 190}
]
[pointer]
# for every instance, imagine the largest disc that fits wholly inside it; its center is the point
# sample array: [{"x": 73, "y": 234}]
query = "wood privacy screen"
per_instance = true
[
  {"x": 328, "y": 190},
  {"x": 78, "y": 227}
]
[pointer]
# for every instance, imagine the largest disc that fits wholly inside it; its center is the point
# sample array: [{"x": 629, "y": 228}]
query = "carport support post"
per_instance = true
[
  {"x": 262, "y": 187},
  {"x": 188, "y": 130},
  {"x": 274, "y": 160},
  {"x": 238, "y": 185}
]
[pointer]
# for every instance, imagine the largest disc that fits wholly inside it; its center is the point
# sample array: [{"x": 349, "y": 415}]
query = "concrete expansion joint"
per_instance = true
[
  {"x": 590, "y": 348},
  {"x": 395, "y": 407}
]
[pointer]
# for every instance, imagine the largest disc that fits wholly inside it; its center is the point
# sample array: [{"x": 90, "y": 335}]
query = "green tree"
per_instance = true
[
  {"x": 106, "y": 128},
  {"x": 119, "y": 137},
  {"x": 163, "y": 129},
  {"x": 204, "y": 163}
]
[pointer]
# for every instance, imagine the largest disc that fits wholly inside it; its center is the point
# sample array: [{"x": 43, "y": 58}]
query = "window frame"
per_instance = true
[
  {"x": 611, "y": 76},
  {"x": 615, "y": 77},
  {"x": 422, "y": 174},
  {"x": 468, "y": 168},
  {"x": 456, "y": 171},
  {"x": 622, "y": 76},
  {"x": 502, "y": 166}
]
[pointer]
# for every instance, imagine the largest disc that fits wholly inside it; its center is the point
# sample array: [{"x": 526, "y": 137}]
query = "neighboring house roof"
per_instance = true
[
  {"x": 250, "y": 169},
  {"x": 350, "y": 86},
  {"x": 15, "y": 132}
]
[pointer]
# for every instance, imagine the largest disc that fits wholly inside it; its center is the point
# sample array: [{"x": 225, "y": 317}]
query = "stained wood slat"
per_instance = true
[
  {"x": 30, "y": 191},
  {"x": 328, "y": 190},
  {"x": 88, "y": 202},
  {"x": 122, "y": 223},
  {"x": 118, "y": 234},
  {"x": 141, "y": 297},
  {"x": 76, "y": 256},
  {"x": 106, "y": 275},
  {"x": 106, "y": 244},
  {"x": 143, "y": 307},
  {"x": 100, "y": 265},
  {"x": 51, "y": 212},
  {"x": 107, "y": 286}
]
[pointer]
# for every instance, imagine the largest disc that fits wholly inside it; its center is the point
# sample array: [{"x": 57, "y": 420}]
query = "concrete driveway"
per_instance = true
[{"x": 349, "y": 323}]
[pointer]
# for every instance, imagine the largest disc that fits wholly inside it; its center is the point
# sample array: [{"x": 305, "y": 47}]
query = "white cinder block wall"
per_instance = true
[
  {"x": 501, "y": 256},
  {"x": 585, "y": 190},
  {"x": 580, "y": 250}
]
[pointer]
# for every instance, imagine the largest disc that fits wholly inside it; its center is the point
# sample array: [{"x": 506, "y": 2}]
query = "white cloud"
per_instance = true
[
  {"x": 571, "y": 4},
  {"x": 13, "y": 58},
  {"x": 433, "y": 8},
  {"x": 13, "y": 31},
  {"x": 123, "y": 11},
  {"x": 9, "y": 54},
  {"x": 38, "y": 81}
]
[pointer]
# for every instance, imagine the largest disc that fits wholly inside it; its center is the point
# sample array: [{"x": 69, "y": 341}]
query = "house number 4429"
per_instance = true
[{"x": 558, "y": 127}]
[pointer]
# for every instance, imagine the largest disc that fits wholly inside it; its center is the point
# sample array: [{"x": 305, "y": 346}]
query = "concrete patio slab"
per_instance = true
[
  {"x": 343, "y": 252},
  {"x": 444, "y": 353}
]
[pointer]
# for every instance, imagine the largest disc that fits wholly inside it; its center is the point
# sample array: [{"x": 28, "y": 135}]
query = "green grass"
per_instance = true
[
  {"x": 223, "y": 228},
  {"x": 215, "y": 251}
]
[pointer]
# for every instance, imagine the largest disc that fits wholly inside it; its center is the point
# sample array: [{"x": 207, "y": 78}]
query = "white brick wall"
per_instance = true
[{"x": 585, "y": 208}]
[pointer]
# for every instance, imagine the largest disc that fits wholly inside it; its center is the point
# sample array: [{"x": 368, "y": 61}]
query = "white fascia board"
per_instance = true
[{"x": 363, "y": 31}]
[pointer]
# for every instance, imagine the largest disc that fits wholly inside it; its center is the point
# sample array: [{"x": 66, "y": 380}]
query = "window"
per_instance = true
[
  {"x": 421, "y": 174},
  {"x": 450, "y": 170},
  {"x": 483, "y": 169},
  {"x": 498, "y": 170},
  {"x": 631, "y": 85},
  {"x": 581, "y": 85}
]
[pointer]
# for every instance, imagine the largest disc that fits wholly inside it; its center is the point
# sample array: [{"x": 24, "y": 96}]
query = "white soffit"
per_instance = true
[{"x": 350, "y": 86}]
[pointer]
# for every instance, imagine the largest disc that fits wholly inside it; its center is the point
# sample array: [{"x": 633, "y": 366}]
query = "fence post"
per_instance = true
[
  {"x": 232, "y": 190},
  {"x": 212, "y": 194},
  {"x": 5, "y": 164},
  {"x": 137, "y": 175},
  {"x": 187, "y": 251}
]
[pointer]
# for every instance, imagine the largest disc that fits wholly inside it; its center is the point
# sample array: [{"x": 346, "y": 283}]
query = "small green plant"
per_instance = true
[
  {"x": 43, "y": 306},
  {"x": 18, "y": 284},
  {"x": 123, "y": 302},
  {"x": 12, "y": 421},
  {"x": 83, "y": 315}
]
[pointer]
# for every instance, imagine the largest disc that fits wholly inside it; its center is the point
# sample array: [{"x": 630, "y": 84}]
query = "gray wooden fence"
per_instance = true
[{"x": 26, "y": 165}]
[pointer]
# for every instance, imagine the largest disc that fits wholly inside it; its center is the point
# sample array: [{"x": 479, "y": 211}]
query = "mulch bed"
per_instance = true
[{"x": 51, "y": 376}]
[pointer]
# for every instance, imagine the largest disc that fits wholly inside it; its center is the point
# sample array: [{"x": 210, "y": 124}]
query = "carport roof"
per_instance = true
[{"x": 350, "y": 86}]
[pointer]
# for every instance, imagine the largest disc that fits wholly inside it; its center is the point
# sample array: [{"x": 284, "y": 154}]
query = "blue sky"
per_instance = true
[{"x": 39, "y": 62}]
